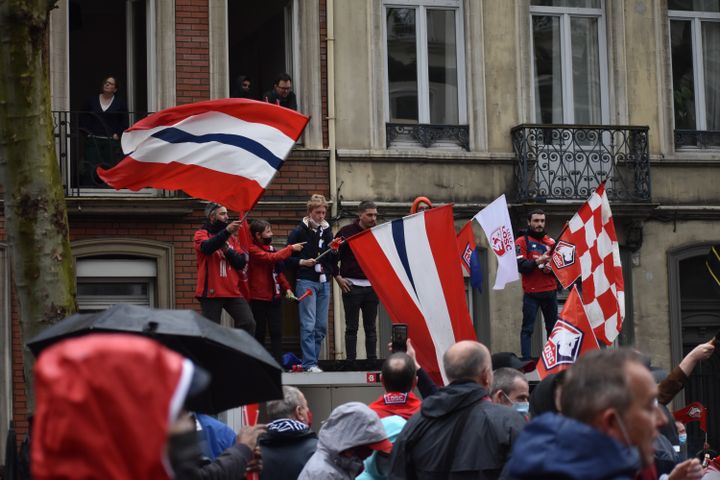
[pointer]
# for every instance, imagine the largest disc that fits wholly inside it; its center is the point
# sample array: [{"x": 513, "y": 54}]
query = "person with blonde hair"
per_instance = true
[{"x": 313, "y": 275}]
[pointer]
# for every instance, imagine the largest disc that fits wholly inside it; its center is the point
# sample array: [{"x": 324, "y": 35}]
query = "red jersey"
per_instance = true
[{"x": 266, "y": 283}]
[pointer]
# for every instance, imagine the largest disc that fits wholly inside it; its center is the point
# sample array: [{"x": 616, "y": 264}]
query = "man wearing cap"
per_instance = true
[
  {"x": 221, "y": 263},
  {"x": 349, "y": 436}
]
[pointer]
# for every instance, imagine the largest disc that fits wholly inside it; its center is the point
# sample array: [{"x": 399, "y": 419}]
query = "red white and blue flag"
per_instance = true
[
  {"x": 226, "y": 151},
  {"x": 413, "y": 266}
]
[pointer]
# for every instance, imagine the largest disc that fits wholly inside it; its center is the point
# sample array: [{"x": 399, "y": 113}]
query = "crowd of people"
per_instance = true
[
  {"x": 98, "y": 416},
  {"x": 241, "y": 272}
]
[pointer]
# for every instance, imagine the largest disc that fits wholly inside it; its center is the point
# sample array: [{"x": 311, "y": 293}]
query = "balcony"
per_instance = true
[
  {"x": 83, "y": 142},
  {"x": 567, "y": 162}
]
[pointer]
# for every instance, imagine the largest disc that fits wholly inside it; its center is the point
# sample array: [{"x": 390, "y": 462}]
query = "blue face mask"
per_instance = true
[
  {"x": 683, "y": 438},
  {"x": 522, "y": 407}
]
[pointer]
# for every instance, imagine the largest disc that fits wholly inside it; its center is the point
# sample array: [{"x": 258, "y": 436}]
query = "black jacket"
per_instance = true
[
  {"x": 461, "y": 414},
  {"x": 303, "y": 233},
  {"x": 187, "y": 462},
  {"x": 285, "y": 453}
]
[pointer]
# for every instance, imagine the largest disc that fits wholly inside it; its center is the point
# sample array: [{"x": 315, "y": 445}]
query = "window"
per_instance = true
[
  {"x": 695, "y": 51},
  {"x": 103, "y": 282},
  {"x": 425, "y": 63},
  {"x": 570, "y": 78}
]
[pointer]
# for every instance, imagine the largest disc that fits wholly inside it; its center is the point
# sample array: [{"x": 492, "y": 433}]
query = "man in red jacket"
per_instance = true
[
  {"x": 538, "y": 281},
  {"x": 221, "y": 268}
]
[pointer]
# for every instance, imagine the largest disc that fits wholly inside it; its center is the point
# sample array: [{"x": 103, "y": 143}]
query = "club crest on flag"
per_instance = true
[
  {"x": 467, "y": 253},
  {"x": 694, "y": 412},
  {"x": 563, "y": 346},
  {"x": 564, "y": 254},
  {"x": 501, "y": 240}
]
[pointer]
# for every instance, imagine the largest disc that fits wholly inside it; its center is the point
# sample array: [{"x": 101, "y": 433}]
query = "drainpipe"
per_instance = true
[{"x": 330, "y": 20}]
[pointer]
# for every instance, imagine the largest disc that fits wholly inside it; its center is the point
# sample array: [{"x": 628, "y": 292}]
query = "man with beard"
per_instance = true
[
  {"x": 538, "y": 281},
  {"x": 357, "y": 292},
  {"x": 221, "y": 263}
]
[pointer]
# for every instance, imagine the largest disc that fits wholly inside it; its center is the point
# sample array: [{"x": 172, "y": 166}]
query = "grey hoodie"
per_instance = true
[{"x": 349, "y": 425}]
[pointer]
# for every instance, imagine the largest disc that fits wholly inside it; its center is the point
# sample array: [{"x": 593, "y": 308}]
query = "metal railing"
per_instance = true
[
  {"x": 567, "y": 162},
  {"x": 87, "y": 140},
  {"x": 697, "y": 139}
]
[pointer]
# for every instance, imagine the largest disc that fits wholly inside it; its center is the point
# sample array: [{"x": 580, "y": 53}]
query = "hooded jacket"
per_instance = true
[
  {"x": 557, "y": 447},
  {"x": 485, "y": 434},
  {"x": 349, "y": 425},
  {"x": 286, "y": 448},
  {"x": 104, "y": 404}
]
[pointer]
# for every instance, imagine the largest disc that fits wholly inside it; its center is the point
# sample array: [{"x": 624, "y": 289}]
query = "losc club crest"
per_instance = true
[
  {"x": 467, "y": 253},
  {"x": 501, "y": 241},
  {"x": 694, "y": 412},
  {"x": 563, "y": 346},
  {"x": 564, "y": 254}
]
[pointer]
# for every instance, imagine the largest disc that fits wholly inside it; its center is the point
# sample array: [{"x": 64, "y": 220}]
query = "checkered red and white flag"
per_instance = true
[{"x": 588, "y": 248}]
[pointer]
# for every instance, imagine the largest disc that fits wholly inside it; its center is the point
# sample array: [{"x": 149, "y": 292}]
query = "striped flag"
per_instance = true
[
  {"x": 413, "y": 267},
  {"x": 226, "y": 151},
  {"x": 588, "y": 248}
]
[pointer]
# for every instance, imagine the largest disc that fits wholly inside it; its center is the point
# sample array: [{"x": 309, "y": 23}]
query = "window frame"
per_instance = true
[
  {"x": 423, "y": 77},
  {"x": 565, "y": 14},
  {"x": 696, "y": 18}
]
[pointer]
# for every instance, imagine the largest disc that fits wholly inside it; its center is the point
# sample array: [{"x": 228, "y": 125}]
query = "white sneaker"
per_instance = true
[{"x": 314, "y": 369}]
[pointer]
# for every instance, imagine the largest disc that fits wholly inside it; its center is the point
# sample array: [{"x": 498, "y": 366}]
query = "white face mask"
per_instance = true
[
  {"x": 683, "y": 438},
  {"x": 522, "y": 407}
]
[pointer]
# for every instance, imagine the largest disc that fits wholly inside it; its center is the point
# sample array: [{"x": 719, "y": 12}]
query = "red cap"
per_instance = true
[{"x": 382, "y": 446}]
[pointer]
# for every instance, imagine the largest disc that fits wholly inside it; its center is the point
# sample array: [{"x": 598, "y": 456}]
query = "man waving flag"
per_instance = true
[
  {"x": 413, "y": 266},
  {"x": 226, "y": 151}
]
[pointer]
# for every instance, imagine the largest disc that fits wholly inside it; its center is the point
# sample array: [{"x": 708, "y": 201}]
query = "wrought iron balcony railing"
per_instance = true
[
  {"x": 427, "y": 135},
  {"x": 567, "y": 162},
  {"x": 87, "y": 140},
  {"x": 701, "y": 139}
]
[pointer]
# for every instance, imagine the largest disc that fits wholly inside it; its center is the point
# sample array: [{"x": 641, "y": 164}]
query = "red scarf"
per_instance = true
[{"x": 396, "y": 403}]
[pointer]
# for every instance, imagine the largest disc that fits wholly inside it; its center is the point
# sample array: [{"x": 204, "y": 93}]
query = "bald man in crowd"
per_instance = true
[{"x": 443, "y": 440}]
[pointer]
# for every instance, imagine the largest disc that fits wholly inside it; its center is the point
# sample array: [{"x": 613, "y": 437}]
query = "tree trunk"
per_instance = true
[{"x": 35, "y": 215}]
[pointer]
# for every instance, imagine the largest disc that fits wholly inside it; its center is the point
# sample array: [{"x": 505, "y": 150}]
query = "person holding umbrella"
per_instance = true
[{"x": 222, "y": 262}]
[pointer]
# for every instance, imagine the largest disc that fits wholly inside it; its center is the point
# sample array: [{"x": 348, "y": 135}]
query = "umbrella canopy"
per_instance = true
[{"x": 242, "y": 370}]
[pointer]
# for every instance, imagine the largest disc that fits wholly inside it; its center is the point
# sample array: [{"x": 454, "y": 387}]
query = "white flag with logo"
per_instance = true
[{"x": 495, "y": 222}]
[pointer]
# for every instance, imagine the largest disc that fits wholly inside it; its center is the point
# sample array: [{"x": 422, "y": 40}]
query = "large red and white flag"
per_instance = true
[
  {"x": 226, "y": 151},
  {"x": 571, "y": 337},
  {"x": 588, "y": 249},
  {"x": 413, "y": 266},
  {"x": 495, "y": 222}
]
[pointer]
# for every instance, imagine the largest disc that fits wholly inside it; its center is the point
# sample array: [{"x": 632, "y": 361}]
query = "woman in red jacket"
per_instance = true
[{"x": 267, "y": 283}]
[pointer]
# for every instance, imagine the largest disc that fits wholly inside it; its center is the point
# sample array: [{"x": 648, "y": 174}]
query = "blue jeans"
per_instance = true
[
  {"x": 313, "y": 312},
  {"x": 547, "y": 302}
]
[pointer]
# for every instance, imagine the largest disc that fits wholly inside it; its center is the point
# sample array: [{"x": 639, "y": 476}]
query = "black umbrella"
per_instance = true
[{"x": 242, "y": 370}]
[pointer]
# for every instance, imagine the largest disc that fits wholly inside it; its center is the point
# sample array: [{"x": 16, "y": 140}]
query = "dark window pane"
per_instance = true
[
  {"x": 567, "y": 3},
  {"x": 442, "y": 67},
  {"x": 402, "y": 65},
  {"x": 695, "y": 5},
  {"x": 548, "y": 69},
  {"x": 112, "y": 289},
  {"x": 683, "y": 77},
  {"x": 711, "y": 68}
]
